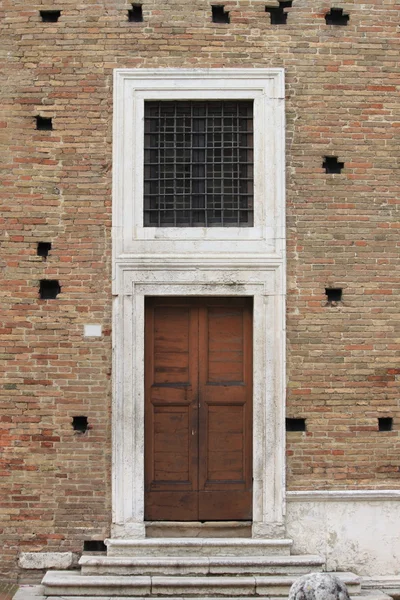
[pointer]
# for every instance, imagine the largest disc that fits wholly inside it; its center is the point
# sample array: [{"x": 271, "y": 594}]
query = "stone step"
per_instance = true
[
  {"x": 59, "y": 583},
  {"x": 36, "y": 592},
  {"x": 200, "y": 565},
  {"x": 389, "y": 584},
  {"x": 181, "y": 529},
  {"x": 379, "y": 597},
  {"x": 198, "y": 547},
  {"x": 372, "y": 595}
]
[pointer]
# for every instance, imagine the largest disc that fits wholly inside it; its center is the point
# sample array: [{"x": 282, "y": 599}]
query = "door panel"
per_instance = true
[
  {"x": 171, "y": 332},
  {"x": 171, "y": 412},
  {"x": 171, "y": 443},
  {"x": 225, "y": 417},
  {"x": 224, "y": 344},
  {"x": 225, "y": 425},
  {"x": 198, "y": 418}
]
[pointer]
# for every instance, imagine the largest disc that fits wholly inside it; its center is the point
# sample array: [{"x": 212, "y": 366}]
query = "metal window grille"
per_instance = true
[{"x": 198, "y": 164}]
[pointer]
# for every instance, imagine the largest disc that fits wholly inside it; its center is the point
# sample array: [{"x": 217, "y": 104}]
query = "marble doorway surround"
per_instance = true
[{"x": 198, "y": 262}]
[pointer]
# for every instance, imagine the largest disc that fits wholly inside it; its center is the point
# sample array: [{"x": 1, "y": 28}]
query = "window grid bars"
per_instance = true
[{"x": 198, "y": 164}]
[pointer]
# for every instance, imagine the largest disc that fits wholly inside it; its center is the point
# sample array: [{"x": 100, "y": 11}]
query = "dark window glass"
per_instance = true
[{"x": 198, "y": 164}]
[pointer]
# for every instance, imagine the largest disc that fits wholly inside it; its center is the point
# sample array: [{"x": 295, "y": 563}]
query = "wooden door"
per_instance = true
[{"x": 198, "y": 410}]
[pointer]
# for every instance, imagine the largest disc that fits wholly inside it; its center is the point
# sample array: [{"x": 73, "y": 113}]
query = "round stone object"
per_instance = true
[{"x": 319, "y": 586}]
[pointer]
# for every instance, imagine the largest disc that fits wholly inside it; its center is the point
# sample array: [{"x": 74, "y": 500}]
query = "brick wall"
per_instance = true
[{"x": 343, "y": 373}]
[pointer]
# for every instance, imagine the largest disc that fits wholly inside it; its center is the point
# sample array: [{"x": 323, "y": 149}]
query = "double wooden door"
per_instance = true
[{"x": 198, "y": 409}]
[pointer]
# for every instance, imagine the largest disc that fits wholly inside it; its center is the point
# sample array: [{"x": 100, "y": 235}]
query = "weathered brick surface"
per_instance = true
[{"x": 343, "y": 372}]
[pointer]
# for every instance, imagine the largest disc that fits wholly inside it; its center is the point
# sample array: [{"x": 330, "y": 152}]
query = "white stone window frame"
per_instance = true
[
  {"x": 132, "y": 87},
  {"x": 245, "y": 261}
]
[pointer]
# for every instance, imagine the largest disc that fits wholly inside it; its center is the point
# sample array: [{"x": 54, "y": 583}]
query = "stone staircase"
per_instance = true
[{"x": 177, "y": 568}]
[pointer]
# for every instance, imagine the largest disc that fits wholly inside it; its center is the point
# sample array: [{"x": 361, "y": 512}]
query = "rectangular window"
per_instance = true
[{"x": 198, "y": 163}]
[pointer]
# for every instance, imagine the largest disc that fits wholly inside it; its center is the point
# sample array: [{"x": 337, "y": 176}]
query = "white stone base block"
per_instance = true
[
  {"x": 353, "y": 530},
  {"x": 47, "y": 560}
]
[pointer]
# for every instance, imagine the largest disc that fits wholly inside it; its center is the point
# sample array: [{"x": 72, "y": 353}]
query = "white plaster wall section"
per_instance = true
[{"x": 355, "y": 530}]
